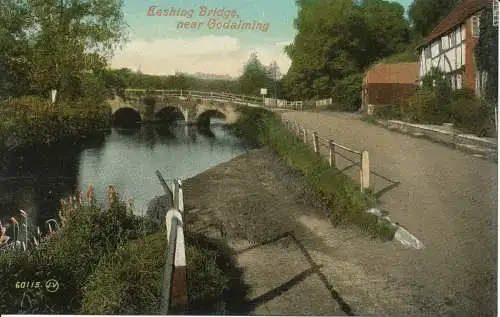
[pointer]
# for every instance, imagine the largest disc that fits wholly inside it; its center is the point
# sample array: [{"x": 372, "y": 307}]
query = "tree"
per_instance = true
[
  {"x": 255, "y": 76},
  {"x": 326, "y": 45},
  {"x": 336, "y": 39},
  {"x": 387, "y": 31},
  {"x": 71, "y": 38},
  {"x": 486, "y": 54},
  {"x": 14, "y": 49},
  {"x": 425, "y": 15},
  {"x": 274, "y": 73}
]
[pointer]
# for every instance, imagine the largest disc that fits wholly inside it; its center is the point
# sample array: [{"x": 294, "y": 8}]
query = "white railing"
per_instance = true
[
  {"x": 235, "y": 98},
  {"x": 363, "y": 162},
  {"x": 207, "y": 95},
  {"x": 295, "y": 105},
  {"x": 174, "y": 279}
]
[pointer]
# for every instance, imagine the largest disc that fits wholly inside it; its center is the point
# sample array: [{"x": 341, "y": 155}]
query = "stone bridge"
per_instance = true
[{"x": 195, "y": 107}]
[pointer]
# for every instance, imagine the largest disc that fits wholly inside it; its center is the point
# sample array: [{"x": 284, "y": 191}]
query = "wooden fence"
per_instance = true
[
  {"x": 332, "y": 148},
  {"x": 174, "y": 280}
]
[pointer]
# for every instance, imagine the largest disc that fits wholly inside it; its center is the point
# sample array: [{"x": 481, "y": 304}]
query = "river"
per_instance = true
[{"x": 34, "y": 181}]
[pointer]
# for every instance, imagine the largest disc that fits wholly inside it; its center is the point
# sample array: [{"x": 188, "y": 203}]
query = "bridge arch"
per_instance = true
[
  {"x": 204, "y": 113},
  {"x": 170, "y": 113},
  {"x": 125, "y": 116}
]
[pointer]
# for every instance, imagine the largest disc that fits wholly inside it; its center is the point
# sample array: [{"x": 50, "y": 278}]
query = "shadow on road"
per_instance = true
[{"x": 314, "y": 269}]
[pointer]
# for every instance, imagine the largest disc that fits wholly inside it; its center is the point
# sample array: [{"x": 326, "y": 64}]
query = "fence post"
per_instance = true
[
  {"x": 316, "y": 142},
  {"x": 298, "y": 129},
  {"x": 365, "y": 171},
  {"x": 181, "y": 92},
  {"x": 178, "y": 286},
  {"x": 305, "y": 134},
  {"x": 331, "y": 150}
]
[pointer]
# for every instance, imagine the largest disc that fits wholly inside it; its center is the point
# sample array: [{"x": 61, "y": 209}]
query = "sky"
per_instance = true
[{"x": 193, "y": 36}]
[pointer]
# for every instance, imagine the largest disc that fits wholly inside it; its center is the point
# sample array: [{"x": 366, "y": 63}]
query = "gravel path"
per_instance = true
[{"x": 446, "y": 198}]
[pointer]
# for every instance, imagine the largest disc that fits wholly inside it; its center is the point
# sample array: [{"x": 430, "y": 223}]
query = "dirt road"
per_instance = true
[
  {"x": 298, "y": 264},
  {"x": 446, "y": 198}
]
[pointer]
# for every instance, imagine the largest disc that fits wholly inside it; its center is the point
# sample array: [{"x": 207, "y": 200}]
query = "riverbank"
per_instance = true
[
  {"x": 96, "y": 258},
  {"x": 33, "y": 121}
]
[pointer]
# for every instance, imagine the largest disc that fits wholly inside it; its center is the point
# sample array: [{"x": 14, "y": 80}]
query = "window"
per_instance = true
[
  {"x": 427, "y": 51},
  {"x": 453, "y": 82},
  {"x": 475, "y": 25},
  {"x": 444, "y": 42}
]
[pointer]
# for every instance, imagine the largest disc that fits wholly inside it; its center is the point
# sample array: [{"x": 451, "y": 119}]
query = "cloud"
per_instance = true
[{"x": 206, "y": 54}]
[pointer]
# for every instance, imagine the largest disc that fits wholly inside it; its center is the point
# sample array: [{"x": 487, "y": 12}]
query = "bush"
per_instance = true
[
  {"x": 426, "y": 107},
  {"x": 430, "y": 104},
  {"x": 472, "y": 114},
  {"x": 70, "y": 257},
  {"x": 29, "y": 121},
  {"x": 347, "y": 204},
  {"x": 387, "y": 112},
  {"x": 347, "y": 93}
]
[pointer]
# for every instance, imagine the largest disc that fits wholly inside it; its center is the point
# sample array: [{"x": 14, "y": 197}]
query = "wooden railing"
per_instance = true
[
  {"x": 174, "y": 280},
  {"x": 362, "y": 162}
]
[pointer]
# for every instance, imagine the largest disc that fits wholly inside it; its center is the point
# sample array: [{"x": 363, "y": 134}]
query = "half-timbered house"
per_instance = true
[{"x": 450, "y": 46}]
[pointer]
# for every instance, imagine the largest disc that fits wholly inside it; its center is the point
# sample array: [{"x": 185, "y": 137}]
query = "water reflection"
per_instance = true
[{"x": 35, "y": 180}]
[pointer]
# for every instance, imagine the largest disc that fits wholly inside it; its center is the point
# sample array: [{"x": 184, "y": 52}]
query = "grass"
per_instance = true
[
  {"x": 213, "y": 281},
  {"x": 346, "y": 203},
  {"x": 107, "y": 260},
  {"x": 370, "y": 119}
]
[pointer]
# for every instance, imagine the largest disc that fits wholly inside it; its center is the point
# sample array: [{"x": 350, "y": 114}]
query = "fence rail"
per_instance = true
[
  {"x": 363, "y": 162},
  {"x": 174, "y": 280},
  {"x": 196, "y": 93}
]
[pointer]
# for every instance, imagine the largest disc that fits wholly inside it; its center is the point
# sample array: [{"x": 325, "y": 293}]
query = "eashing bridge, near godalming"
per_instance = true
[{"x": 194, "y": 107}]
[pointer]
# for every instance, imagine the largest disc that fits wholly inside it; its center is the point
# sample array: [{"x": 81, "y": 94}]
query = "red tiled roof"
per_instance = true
[
  {"x": 402, "y": 73},
  {"x": 464, "y": 10}
]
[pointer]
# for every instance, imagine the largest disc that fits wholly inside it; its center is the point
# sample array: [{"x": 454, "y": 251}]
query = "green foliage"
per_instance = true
[
  {"x": 14, "y": 52},
  {"x": 92, "y": 89},
  {"x": 72, "y": 39},
  {"x": 431, "y": 104},
  {"x": 255, "y": 76},
  {"x": 387, "y": 112},
  {"x": 436, "y": 105},
  {"x": 70, "y": 257},
  {"x": 387, "y": 29},
  {"x": 113, "y": 287},
  {"x": 486, "y": 53},
  {"x": 343, "y": 197},
  {"x": 426, "y": 14},
  {"x": 423, "y": 107},
  {"x": 347, "y": 93},
  {"x": 32, "y": 120},
  {"x": 408, "y": 56},
  {"x": 338, "y": 38},
  {"x": 472, "y": 114}
]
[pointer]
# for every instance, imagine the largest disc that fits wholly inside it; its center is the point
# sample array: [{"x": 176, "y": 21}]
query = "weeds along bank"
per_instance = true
[
  {"x": 346, "y": 204},
  {"x": 109, "y": 261},
  {"x": 29, "y": 121}
]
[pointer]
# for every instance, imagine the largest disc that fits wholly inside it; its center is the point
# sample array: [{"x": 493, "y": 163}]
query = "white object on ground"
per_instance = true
[
  {"x": 407, "y": 239},
  {"x": 375, "y": 211}
]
